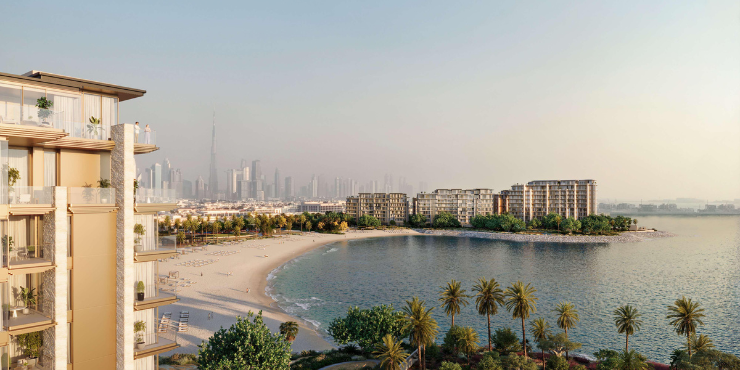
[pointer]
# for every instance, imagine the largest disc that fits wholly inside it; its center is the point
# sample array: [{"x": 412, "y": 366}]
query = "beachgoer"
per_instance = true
[
  {"x": 147, "y": 133},
  {"x": 247, "y": 290},
  {"x": 137, "y": 129}
]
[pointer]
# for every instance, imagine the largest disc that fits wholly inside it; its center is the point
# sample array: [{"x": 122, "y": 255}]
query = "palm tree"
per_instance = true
[
  {"x": 626, "y": 318},
  {"x": 228, "y": 226},
  {"x": 302, "y": 220},
  {"x": 420, "y": 325},
  {"x": 468, "y": 342},
  {"x": 238, "y": 225},
  {"x": 453, "y": 297},
  {"x": 289, "y": 330},
  {"x": 487, "y": 299},
  {"x": 685, "y": 315},
  {"x": 631, "y": 360},
  {"x": 390, "y": 353},
  {"x": 521, "y": 302},
  {"x": 540, "y": 331},
  {"x": 567, "y": 318},
  {"x": 701, "y": 343}
]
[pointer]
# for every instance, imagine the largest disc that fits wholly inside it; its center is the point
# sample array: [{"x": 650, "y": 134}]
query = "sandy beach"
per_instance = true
[{"x": 249, "y": 264}]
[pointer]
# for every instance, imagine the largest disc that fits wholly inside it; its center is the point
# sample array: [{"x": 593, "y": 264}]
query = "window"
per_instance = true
[
  {"x": 67, "y": 112},
  {"x": 10, "y": 104},
  {"x": 50, "y": 168},
  {"x": 30, "y": 114},
  {"x": 18, "y": 159}
]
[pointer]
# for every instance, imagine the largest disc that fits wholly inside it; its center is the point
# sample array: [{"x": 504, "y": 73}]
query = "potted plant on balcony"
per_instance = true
[
  {"x": 139, "y": 231},
  {"x": 31, "y": 249},
  {"x": 139, "y": 328},
  {"x": 7, "y": 244},
  {"x": 28, "y": 296},
  {"x": 104, "y": 184},
  {"x": 45, "y": 112},
  {"x": 31, "y": 343},
  {"x": 93, "y": 127},
  {"x": 140, "y": 288}
]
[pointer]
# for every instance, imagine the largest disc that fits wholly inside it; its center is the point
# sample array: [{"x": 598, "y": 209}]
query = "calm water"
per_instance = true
[{"x": 702, "y": 262}]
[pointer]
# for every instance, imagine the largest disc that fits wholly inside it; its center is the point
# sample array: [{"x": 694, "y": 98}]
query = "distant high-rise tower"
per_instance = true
[
  {"x": 166, "y": 167},
  {"x": 213, "y": 178},
  {"x": 289, "y": 187},
  {"x": 200, "y": 188},
  {"x": 256, "y": 170},
  {"x": 276, "y": 189}
]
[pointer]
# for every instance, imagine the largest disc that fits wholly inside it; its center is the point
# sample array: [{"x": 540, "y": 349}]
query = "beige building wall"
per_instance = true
[{"x": 78, "y": 168}]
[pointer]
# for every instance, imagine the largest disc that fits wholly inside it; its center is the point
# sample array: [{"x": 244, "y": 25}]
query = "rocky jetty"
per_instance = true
[{"x": 624, "y": 237}]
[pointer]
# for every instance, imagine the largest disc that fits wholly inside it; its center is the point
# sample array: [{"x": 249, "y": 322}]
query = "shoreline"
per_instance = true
[
  {"x": 250, "y": 264},
  {"x": 624, "y": 237}
]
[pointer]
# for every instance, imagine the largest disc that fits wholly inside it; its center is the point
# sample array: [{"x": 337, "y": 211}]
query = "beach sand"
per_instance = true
[{"x": 226, "y": 297}]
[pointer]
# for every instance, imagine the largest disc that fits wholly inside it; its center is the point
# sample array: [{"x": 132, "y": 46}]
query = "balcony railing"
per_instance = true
[
  {"x": 163, "y": 337},
  {"x": 156, "y": 196},
  {"x": 91, "y": 195},
  {"x": 144, "y": 137},
  {"x": 29, "y": 194}
]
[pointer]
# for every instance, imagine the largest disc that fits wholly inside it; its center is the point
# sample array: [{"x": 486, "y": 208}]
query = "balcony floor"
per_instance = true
[
  {"x": 32, "y": 319},
  {"x": 162, "y": 345}
]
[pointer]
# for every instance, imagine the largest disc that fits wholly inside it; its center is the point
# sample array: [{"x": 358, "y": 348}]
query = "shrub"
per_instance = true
[
  {"x": 505, "y": 341},
  {"x": 433, "y": 351},
  {"x": 445, "y": 219},
  {"x": 490, "y": 361},
  {"x": 557, "y": 363},
  {"x": 515, "y": 362},
  {"x": 451, "y": 340},
  {"x": 366, "y": 327},
  {"x": 449, "y": 366}
]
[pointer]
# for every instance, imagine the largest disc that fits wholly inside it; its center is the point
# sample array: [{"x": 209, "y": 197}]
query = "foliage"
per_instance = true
[
  {"x": 701, "y": 343},
  {"x": 452, "y": 340},
  {"x": 558, "y": 344},
  {"x": 419, "y": 323},
  {"x": 367, "y": 327},
  {"x": 709, "y": 359},
  {"x": 516, "y": 362},
  {"x": 596, "y": 224},
  {"x": 444, "y": 220},
  {"x": 504, "y": 222},
  {"x": 390, "y": 353},
  {"x": 13, "y": 176},
  {"x": 28, "y": 296},
  {"x": 521, "y": 302},
  {"x": 449, "y": 366},
  {"x": 248, "y": 344},
  {"x": 453, "y": 297},
  {"x": 139, "y": 328},
  {"x": 289, "y": 330},
  {"x": 490, "y": 361},
  {"x": 627, "y": 320},
  {"x": 31, "y": 343},
  {"x": 44, "y": 106},
  {"x": 488, "y": 298},
  {"x": 313, "y": 360},
  {"x": 467, "y": 343},
  {"x": 179, "y": 359},
  {"x": 505, "y": 341},
  {"x": 417, "y": 220},
  {"x": 685, "y": 315},
  {"x": 139, "y": 229},
  {"x": 368, "y": 221},
  {"x": 552, "y": 221},
  {"x": 140, "y": 288},
  {"x": 104, "y": 183},
  {"x": 180, "y": 237},
  {"x": 625, "y": 360},
  {"x": 557, "y": 363},
  {"x": 570, "y": 225},
  {"x": 567, "y": 316},
  {"x": 92, "y": 127}
]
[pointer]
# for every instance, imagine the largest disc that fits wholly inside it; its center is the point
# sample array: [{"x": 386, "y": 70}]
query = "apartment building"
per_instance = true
[
  {"x": 463, "y": 204},
  {"x": 569, "y": 198},
  {"x": 386, "y": 207},
  {"x": 68, "y": 210},
  {"x": 321, "y": 207}
]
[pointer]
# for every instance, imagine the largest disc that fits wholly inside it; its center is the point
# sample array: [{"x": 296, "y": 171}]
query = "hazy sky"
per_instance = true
[{"x": 642, "y": 96}]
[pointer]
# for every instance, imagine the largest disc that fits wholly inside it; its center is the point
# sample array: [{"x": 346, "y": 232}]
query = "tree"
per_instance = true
[
  {"x": 289, "y": 221},
  {"x": 558, "y": 344},
  {"x": 451, "y": 342},
  {"x": 417, "y": 220},
  {"x": 567, "y": 318},
  {"x": 308, "y": 225},
  {"x": 685, "y": 315},
  {"x": 570, "y": 225},
  {"x": 366, "y": 327},
  {"x": 487, "y": 299},
  {"x": 178, "y": 224},
  {"x": 289, "y": 330},
  {"x": 631, "y": 360},
  {"x": 180, "y": 237},
  {"x": 627, "y": 320},
  {"x": 556, "y": 363},
  {"x": 238, "y": 226},
  {"x": 302, "y": 220},
  {"x": 701, "y": 343},
  {"x": 490, "y": 361},
  {"x": 420, "y": 325},
  {"x": 228, "y": 226},
  {"x": 453, "y": 297},
  {"x": 505, "y": 341},
  {"x": 540, "y": 331},
  {"x": 521, "y": 302},
  {"x": 368, "y": 221},
  {"x": 445, "y": 219},
  {"x": 445, "y": 365},
  {"x": 515, "y": 362},
  {"x": 248, "y": 344},
  {"x": 390, "y": 353},
  {"x": 468, "y": 342},
  {"x": 216, "y": 226},
  {"x": 281, "y": 221}
]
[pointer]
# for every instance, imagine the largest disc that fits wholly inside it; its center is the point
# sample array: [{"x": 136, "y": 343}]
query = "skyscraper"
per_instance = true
[
  {"x": 157, "y": 178},
  {"x": 256, "y": 170},
  {"x": 200, "y": 188},
  {"x": 213, "y": 178},
  {"x": 276, "y": 189},
  {"x": 166, "y": 167},
  {"x": 289, "y": 187},
  {"x": 231, "y": 179}
]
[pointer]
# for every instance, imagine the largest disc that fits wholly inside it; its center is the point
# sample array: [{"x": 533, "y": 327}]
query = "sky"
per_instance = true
[{"x": 643, "y": 97}]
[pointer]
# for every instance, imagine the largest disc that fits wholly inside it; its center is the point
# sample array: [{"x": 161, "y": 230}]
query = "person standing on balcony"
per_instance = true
[
  {"x": 136, "y": 132},
  {"x": 147, "y": 134}
]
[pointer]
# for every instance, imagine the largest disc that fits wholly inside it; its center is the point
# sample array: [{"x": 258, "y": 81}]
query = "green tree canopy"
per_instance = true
[
  {"x": 506, "y": 341},
  {"x": 445, "y": 219},
  {"x": 558, "y": 344},
  {"x": 248, "y": 344},
  {"x": 368, "y": 221},
  {"x": 367, "y": 327}
]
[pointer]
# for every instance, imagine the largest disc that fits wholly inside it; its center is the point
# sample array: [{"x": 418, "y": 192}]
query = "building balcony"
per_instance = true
[
  {"x": 29, "y": 195},
  {"x": 26, "y": 260},
  {"x": 160, "y": 298},
  {"x": 91, "y": 195},
  {"x": 20, "y": 323},
  {"x": 155, "y": 196},
  {"x": 157, "y": 340}
]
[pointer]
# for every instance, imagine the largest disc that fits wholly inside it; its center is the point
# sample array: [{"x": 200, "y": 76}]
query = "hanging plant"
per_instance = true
[{"x": 13, "y": 176}]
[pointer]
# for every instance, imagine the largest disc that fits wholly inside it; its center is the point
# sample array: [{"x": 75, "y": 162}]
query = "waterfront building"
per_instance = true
[
  {"x": 386, "y": 207},
  {"x": 73, "y": 244},
  {"x": 321, "y": 207},
  {"x": 569, "y": 198},
  {"x": 463, "y": 204}
]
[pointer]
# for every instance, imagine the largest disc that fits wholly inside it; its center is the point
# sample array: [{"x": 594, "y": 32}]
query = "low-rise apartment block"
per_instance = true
[
  {"x": 386, "y": 207},
  {"x": 463, "y": 204},
  {"x": 321, "y": 207},
  {"x": 70, "y": 259},
  {"x": 569, "y": 198}
]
